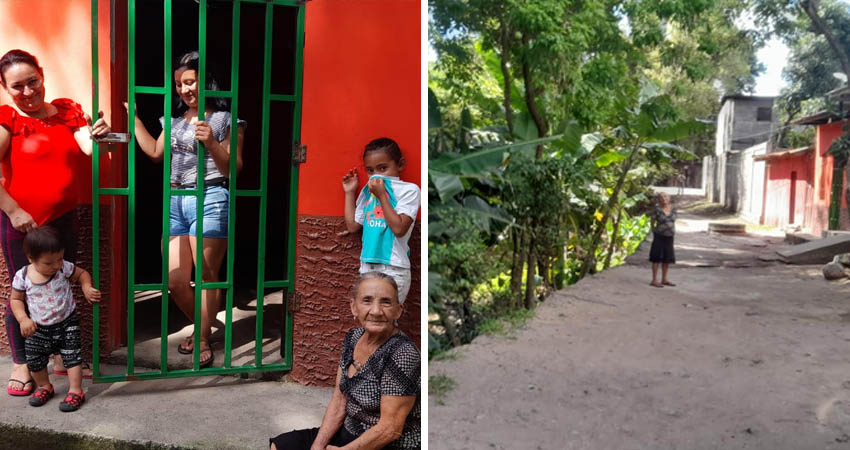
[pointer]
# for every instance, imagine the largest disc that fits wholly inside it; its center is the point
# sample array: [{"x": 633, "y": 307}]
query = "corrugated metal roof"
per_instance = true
[
  {"x": 820, "y": 118},
  {"x": 783, "y": 154}
]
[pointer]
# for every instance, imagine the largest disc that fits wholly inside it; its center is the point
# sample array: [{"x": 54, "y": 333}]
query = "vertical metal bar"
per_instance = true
[
  {"x": 231, "y": 210},
  {"x": 131, "y": 190},
  {"x": 166, "y": 191},
  {"x": 264, "y": 175},
  {"x": 95, "y": 206},
  {"x": 199, "y": 182},
  {"x": 293, "y": 180}
]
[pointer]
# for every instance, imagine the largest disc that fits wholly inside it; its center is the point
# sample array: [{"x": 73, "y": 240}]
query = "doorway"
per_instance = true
[{"x": 267, "y": 65}]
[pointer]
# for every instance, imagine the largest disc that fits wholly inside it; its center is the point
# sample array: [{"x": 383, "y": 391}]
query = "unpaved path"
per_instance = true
[{"x": 742, "y": 354}]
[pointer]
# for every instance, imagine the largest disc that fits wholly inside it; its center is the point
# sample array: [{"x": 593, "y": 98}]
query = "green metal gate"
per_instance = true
[{"x": 261, "y": 193}]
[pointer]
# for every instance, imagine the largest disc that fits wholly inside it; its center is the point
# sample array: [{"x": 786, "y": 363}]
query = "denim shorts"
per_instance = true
[{"x": 184, "y": 218}]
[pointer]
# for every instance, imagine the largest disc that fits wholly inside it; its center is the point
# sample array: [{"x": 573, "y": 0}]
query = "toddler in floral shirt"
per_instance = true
[{"x": 43, "y": 304}]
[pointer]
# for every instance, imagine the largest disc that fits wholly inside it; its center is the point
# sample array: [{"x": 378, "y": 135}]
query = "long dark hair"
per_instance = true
[
  {"x": 18, "y": 56},
  {"x": 190, "y": 61}
]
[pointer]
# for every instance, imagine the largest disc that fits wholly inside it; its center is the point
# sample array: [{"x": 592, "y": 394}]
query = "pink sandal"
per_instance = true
[{"x": 20, "y": 392}]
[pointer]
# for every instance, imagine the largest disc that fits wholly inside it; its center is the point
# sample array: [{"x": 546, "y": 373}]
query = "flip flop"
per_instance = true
[
  {"x": 208, "y": 362},
  {"x": 658, "y": 285},
  {"x": 184, "y": 350},
  {"x": 64, "y": 373},
  {"x": 20, "y": 392},
  {"x": 667, "y": 283}
]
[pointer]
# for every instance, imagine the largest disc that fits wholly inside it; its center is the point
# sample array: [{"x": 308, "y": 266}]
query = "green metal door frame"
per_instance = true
[{"x": 198, "y": 192}]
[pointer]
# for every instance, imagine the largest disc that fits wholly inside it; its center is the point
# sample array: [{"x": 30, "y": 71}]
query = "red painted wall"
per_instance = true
[
  {"x": 817, "y": 215},
  {"x": 361, "y": 81},
  {"x": 362, "y": 72},
  {"x": 778, "y": 193}
]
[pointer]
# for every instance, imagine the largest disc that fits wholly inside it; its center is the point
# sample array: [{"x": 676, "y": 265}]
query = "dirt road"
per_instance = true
[{"x": 742, "y": 354}]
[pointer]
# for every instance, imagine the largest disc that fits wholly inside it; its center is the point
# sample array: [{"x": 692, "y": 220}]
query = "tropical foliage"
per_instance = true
[{"x": 548, "y": 119}]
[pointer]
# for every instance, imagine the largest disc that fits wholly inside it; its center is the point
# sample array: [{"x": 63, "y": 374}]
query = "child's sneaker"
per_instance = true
[
  {"x": 41, "y": 396},
  {"x": 72, "y": 402}
]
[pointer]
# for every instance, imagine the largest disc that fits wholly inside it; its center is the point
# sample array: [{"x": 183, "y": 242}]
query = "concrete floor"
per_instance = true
[
  {"x": 218, "y": 412},
  {"x": 211, "y": 412},
  {"x": 148, "y": 339}
]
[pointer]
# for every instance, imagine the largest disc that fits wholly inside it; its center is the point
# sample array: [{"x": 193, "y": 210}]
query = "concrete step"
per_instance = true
[
  {"x": 796, "y": 238},
  {"x": 819, "y": 251},
  {"x": 212, "y": 412},
  {"x": 146, "y": 352},
  {"x": 727, "y": 228}
]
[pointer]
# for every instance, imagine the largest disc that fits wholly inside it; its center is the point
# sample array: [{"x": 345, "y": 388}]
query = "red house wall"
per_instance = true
[
  {"x": 361, "y": 81},
  {"x": 817, "y": 216},
  {"x": 778, "y": 194}
]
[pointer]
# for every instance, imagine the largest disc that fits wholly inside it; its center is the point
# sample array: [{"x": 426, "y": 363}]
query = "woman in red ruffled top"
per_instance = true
[{"x": 41, "y": 147}]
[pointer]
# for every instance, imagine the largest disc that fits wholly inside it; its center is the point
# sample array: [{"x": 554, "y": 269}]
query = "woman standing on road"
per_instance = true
[{"x": 663, "y": 230}]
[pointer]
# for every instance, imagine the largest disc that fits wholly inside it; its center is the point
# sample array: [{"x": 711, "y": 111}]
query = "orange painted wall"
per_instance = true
[
  {"x": 58, "y": 34},
  {"x": 361, "y": 81},
  {"x": 817, "y": 216},
  {"x": 778, "y": 194}
]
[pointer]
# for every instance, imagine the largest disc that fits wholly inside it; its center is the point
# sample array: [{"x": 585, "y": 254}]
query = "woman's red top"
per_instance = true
[{"x": 38, "y": 167}]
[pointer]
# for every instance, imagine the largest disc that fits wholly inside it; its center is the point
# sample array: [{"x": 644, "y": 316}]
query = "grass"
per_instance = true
[
  {"x": 439, "y": 386},
  {"x": 445, "y": 355},
  {"x": 22, "y": 437},
  {"x": 506, "y": 324}
]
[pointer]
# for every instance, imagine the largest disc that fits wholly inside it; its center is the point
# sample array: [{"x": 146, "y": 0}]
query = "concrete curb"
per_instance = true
[{"x": 213, "y": 412}]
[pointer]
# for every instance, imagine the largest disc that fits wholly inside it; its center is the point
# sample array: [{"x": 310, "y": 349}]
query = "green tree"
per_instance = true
[{"x": 568, "y": 60}]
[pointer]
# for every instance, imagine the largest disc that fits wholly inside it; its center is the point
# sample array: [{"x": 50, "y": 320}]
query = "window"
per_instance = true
[{"x": 763, "y": 114}]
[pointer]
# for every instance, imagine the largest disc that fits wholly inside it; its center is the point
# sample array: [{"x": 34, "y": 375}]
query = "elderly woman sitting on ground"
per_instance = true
[{"x": 375, "y": 402}]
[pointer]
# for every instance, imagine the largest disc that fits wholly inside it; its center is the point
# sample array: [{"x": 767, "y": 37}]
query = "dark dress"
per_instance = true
[
  {"x": 662, "y": 237},
  {"x": 392, "y": 370}
]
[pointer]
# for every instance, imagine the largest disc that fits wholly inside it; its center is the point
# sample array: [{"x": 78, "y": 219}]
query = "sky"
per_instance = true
[{"x": 773, "y": 56}]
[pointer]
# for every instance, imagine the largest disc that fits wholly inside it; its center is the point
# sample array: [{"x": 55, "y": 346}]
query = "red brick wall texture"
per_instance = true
[{"x": 327, "y": 260}]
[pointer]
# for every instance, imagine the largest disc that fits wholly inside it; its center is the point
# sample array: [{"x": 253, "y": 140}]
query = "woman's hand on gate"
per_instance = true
[
  {"x": 28, "y": 328},
  {"x": 135, "y": 109},
  {"x": 100, "y": 128},
  {"x": 203, "y": 133},
  {"x": 22, "y": 220}
]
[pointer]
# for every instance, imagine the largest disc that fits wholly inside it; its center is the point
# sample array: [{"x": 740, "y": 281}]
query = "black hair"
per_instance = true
[
  {"x": 384, "y": 144},
  {"x": 375, "y": 275},
  {"x": 42, "y": 240},
  {"x": 190, "y": 61},
  {"x": 17, "y": 56}
]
